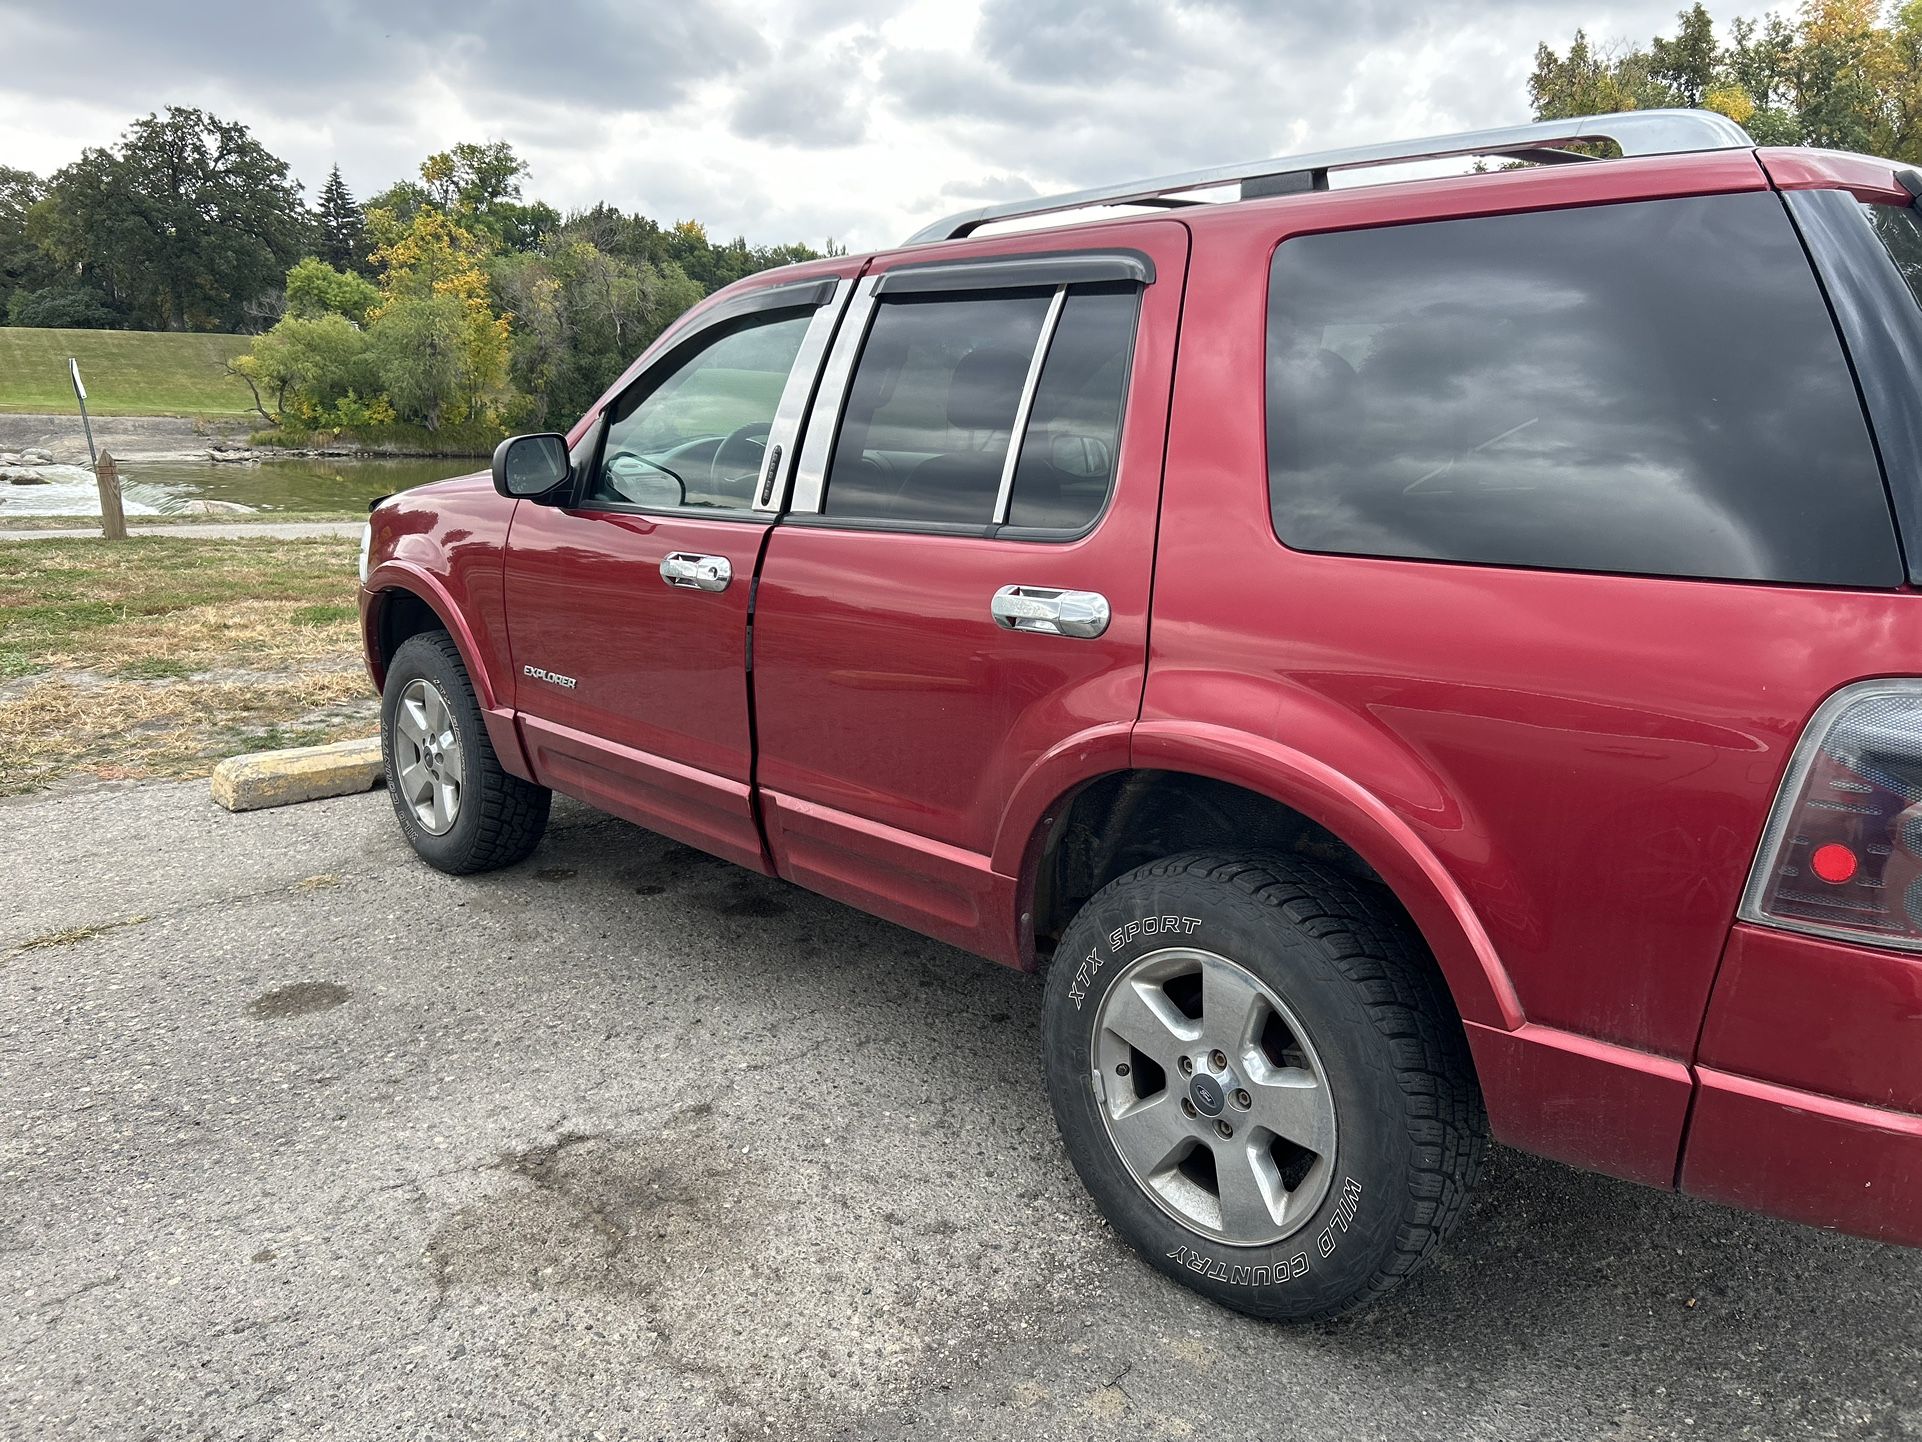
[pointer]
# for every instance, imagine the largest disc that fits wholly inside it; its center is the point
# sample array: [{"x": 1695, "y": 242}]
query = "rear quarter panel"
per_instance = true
[{"x": 1590, "y": 758}]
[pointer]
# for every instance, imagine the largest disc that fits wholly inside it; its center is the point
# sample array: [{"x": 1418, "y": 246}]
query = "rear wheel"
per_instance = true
[
  {"x": 458, "y": 808},
  {"x": 1259, "y": 1077}
]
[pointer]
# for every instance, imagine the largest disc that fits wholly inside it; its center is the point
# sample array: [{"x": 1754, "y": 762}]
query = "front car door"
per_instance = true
[
  {"x": 627, "y": 604},
  {"x": 957, "y": 599}
]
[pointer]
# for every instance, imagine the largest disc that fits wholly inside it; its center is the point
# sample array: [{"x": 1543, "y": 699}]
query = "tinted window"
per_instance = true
[
  {"x": 932, "y": 408},
  {"x": 696, "y": 436},
  {"x": 1652, "y": 387},
  {"x": 1900, "y": 229},
  {"x": 1068, "y": 452}
]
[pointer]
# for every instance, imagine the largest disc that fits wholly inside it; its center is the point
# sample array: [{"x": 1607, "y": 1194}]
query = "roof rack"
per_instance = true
[{"x": 1636, "y": 132}]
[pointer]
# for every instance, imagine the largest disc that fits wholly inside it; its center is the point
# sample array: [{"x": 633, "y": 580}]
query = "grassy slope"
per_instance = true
[{"x": 128, "y": 373}]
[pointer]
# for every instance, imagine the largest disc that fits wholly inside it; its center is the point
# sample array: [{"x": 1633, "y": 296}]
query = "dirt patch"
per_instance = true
[{"x": 302, "y": 998}]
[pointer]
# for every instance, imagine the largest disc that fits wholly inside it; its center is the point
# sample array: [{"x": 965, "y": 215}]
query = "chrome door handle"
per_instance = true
[
  {"x": 1051, "y": 612},
  {"x": 702, "y": 573}
]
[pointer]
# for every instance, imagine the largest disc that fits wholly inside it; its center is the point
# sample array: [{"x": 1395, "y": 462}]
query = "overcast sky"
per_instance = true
[{"x": 856, "y": 119}]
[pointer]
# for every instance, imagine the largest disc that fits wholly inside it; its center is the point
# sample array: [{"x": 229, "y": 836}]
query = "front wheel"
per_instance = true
[
  {"x": 458, "y": 808},
  {"x": 1259, "y": 1077}
]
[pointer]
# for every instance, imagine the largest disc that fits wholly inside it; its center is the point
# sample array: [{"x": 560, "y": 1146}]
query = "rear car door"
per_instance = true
[
  {"x": 958, "y": 595},
  {"x": 628, "y": 603}
]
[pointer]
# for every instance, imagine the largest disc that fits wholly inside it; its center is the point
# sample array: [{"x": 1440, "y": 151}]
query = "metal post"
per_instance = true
[{"x": 80, "y": 394}]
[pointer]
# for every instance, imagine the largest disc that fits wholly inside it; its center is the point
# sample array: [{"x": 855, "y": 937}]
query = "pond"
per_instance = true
[{"x": 307, "y": 483}]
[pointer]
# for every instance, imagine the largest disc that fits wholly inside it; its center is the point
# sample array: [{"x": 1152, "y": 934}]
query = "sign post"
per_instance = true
[
  {"x": 113, "y": 519},
  {"x": 80, "y": 393}
]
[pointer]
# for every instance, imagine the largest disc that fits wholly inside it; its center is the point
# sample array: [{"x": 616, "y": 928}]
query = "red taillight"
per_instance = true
[
  {"x": 1834, "y": 863},
  {"x": 1842, "y": 855}
]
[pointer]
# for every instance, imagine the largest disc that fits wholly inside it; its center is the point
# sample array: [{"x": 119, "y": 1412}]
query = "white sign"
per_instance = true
[{"x": 78, "y": 389}]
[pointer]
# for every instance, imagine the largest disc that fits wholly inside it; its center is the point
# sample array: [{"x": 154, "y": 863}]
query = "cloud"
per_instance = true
[
  {"x": 804, "y": 105},
  {"x": 786, "y": 119}
]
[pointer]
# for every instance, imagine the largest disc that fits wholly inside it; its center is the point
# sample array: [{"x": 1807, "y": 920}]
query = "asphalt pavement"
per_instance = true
[{"x": 301, "y": 1139}]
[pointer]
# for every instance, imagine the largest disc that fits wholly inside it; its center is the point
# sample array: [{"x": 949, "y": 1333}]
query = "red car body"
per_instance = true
[{"x": 1563, "y": 777}]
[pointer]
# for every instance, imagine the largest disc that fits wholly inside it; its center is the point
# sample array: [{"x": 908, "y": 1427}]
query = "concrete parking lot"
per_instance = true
[{"x": 301, "y": 1139}]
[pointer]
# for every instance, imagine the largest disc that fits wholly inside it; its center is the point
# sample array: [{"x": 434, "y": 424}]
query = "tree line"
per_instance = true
[
  {"x": 1846, "y": 74},
  {"x": 447, "y": 303}
]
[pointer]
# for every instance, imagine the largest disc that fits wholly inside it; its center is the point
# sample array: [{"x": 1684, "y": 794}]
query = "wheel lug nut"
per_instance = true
[
  {"x": 1188, "y": 1108},
  {"x": 1217, "y": 1060},
  {"x": 1122, "y": 1068},
  {"x": 1186, "y": 1067},
  {"x": 1243, "y": 1100},
  {"x": 1224, "y": 1129}
]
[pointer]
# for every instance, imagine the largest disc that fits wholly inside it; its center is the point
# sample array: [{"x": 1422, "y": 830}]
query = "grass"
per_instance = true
[
  {"x": 256, "y": 518},
  {"x": 157, "y": 657},
  {"x": 74, "y": 935},
  {"x": 127, "y": 372}
]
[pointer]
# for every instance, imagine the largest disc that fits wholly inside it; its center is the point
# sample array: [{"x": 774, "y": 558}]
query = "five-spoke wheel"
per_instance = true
[
  {"x": 1214, "y": 1096},
  {"x": 428, "y": 756}
]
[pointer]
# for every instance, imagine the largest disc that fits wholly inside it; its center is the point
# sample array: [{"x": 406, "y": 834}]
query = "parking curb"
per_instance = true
[{"x": 300, "y": 773}]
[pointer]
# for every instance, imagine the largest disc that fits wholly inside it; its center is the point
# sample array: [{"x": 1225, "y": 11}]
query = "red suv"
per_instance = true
[{"x": 1409, "y": 662}]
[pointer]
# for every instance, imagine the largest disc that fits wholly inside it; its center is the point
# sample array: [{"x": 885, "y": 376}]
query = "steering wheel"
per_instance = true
[{"x": 738, "y": 457}]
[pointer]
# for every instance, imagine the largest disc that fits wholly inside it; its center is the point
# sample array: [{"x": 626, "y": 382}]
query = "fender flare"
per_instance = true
[
  {"x": 394, "y": 574},
  {"x": 1482, "y": 990}
]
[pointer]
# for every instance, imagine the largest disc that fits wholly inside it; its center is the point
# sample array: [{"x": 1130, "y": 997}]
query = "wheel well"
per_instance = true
[
  {"x": 403, "y": 615},
  {"x": 1128, "y": 819}
]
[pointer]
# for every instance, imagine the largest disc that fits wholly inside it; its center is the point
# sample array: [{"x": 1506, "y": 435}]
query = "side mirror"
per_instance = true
[{"x": 529, "y": 467}]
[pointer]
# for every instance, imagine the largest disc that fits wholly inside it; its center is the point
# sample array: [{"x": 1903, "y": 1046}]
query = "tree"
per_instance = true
[
  {"x": 342, "y": 239},
  {"x": 310, "y": 363},
  {"x": 435, "y": 269},
  {"x": 1838, "y": 74},
  {"x": 418, "y": 348},
  {"x": 580, "y": 316},
  {"x": 315, "y": 288},
  {"x": 1686, "y": 64},
  {"x": 24, "y": 267},
  {"x": 188, "y": 219}
]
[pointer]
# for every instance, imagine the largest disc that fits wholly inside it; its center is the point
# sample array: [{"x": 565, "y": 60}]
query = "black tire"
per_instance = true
[
  {"x": 500, "y": 817},
  {"x": 1409, "y": 1128}
]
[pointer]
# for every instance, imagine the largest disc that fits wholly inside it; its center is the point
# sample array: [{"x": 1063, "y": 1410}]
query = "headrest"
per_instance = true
[{"x": 986, "y": 388}]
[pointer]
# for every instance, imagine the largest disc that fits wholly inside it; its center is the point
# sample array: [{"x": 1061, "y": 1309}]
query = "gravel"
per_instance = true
[{"x": 301, "y": 1139}]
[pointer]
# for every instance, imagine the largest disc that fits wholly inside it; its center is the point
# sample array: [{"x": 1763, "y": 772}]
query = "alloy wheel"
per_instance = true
[
  {"x": 1213, "y": 1096},
  {"x": 427, "y": 757}
]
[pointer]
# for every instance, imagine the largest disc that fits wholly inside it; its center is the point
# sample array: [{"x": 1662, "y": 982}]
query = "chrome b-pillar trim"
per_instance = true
[
  {"x": 811, "y": 469},
  {"x": 778, "y": 461}
]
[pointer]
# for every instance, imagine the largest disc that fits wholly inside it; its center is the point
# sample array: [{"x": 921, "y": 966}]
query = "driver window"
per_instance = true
[{"x": 696, "y": 437}]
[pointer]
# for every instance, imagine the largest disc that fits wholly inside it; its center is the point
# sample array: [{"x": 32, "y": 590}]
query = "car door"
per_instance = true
[
  {"x": 959, "y": 591},
  {"x": 627, "y": 602}
]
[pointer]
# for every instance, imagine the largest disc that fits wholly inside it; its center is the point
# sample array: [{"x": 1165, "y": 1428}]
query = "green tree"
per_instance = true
[
  {"x": 482, "y": 183},
  {"x": 1840, "y": 73},
  {"x": 188, "y": 219},
  {"x": 24, "y": 267},
  {"x": 315, "y": 288},
  {"x": 342, "y": 240},
  {"x": 419, "y": 357},
  {"x": 580, "y": 316},
  {"x": 1687, "y": 65}
]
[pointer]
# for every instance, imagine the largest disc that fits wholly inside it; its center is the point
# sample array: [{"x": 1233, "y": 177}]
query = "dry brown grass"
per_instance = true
[{"x": 156, "y": 657}]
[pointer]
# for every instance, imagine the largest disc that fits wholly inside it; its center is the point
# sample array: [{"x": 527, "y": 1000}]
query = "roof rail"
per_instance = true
[{"x": 1636, "y": 132}]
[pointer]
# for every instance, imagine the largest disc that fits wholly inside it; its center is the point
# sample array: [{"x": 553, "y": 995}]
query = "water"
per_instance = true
[{"x": 158, "y": 488}]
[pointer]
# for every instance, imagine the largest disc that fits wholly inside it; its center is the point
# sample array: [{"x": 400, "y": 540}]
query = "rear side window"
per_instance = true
[
  {"x": 1653, "y": 388},
  {"x": 936, "y": 401},
  {"x": 1900, "y": 229}
]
